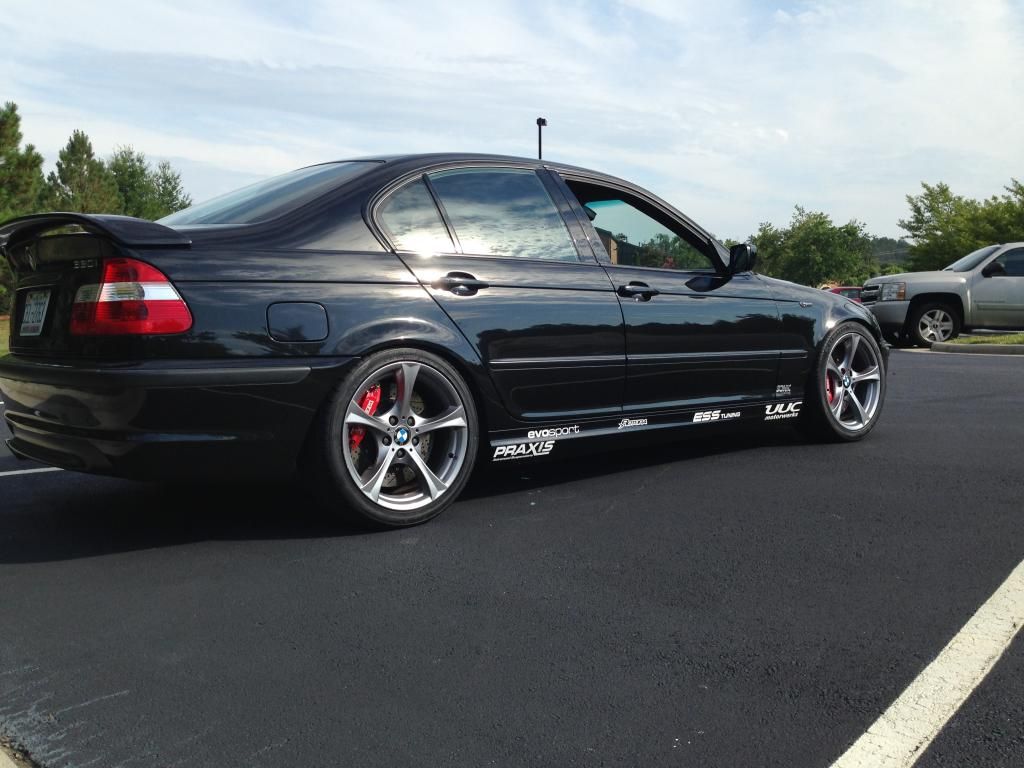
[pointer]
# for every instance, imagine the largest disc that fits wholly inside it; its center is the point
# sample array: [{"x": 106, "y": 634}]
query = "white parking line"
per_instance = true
[
  {"x": 904, "y": 731},
  {"x": 31, "y": 471}
]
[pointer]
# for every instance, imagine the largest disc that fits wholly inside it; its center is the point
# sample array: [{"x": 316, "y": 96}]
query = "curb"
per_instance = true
[
  {"x": 11, "y": 757},
  {"x": 986, "y": 349}
]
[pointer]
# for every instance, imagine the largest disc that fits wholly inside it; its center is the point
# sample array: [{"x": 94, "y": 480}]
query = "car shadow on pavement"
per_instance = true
[
  {"x": 68, "y": 516},
  {"x": 80, "y": 516}
]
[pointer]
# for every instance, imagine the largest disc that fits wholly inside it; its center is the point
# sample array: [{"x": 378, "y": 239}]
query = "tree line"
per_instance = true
[
  {"x": 125, "y": 183},
  {"x": 941, "y": 228}
]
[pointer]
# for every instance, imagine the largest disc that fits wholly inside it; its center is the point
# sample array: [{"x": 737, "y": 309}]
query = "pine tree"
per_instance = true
[
  {"x": 169, "y": 192},
  {"x": 21, "y": 170},
  {"x": 21, "y": 182},
  {"x": 147, "y": 193},
  {"x": 82, "y": 182},
  {"x": 134, "y": 183}
]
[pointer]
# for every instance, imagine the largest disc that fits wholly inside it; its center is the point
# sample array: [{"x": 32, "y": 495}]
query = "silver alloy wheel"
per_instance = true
[
  {"x": 411, "y": 447},
  {"x": 853, "y": 381},
  {"x": 935, "y": 325}
]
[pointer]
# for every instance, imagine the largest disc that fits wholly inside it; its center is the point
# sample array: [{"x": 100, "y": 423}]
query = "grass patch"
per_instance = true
[
  {"x": 1008, "y": 338},
  {"x": 5, "y": 329}
]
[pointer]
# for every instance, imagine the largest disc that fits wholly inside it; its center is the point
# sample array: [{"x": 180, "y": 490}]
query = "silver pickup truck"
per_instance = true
[{"x": 984, "y": 289}]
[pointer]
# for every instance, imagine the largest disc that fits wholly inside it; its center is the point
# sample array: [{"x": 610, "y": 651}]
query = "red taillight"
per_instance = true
[{"x": 132, "y": 298}]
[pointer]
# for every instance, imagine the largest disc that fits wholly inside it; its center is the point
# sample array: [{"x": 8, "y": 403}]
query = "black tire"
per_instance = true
[
  {"x": 918, "y": 314},
  {"x": 897, "y": 339},
  {"x": 330, "y": 474},
  {"x": 818, "y": 420}
]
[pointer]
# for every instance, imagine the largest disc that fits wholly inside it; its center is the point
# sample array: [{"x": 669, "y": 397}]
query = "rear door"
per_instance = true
[
  {"x": 493, "y": 248},
  {"x": 693, "y": 336}
]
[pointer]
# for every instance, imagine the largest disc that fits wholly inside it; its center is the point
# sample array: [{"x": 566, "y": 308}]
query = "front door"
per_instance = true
[
  {"x": 694, "y": 336},
  {"x": 999, "y": 300},
  {"x": 492, "y": 247}
]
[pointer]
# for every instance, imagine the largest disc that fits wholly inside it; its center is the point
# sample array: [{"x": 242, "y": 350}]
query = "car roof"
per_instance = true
[
  {"x": 426, "y": 159},
  {"x": 410, "y": 162}
]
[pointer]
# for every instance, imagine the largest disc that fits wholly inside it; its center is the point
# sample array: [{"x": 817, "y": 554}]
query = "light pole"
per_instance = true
[{"x": 541, "y": 122}]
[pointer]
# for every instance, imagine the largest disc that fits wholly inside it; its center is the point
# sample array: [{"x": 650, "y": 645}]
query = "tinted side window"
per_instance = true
[
  {"x": 412, "y": 222},
  {"x": 633, "y": 237},
  {"x": 503, "y": 212},
  {"x": 1013, "y": 262}
]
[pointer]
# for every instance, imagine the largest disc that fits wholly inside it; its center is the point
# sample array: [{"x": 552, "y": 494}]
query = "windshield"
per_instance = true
[
  {"x": 270, "y": 198},
  {"x": 971, "y": 260}
]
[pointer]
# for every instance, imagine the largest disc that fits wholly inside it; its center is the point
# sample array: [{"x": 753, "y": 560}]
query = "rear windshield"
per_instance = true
[
  {"x": 270, "y": 198},
  {"x": 971, "y": 260}
]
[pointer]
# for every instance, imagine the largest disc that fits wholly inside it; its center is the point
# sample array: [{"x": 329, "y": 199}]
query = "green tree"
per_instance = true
[
  {"x": 813, "y": 250},
  {"x": 147, "y": 193},
  {"x": 770, "y": 242},
  {"x": 21, "y": 182},
  {"x": 82, "y": 182},
  {"x": 21, "y": 169},
  {"x": 888, "y": 250},
  {"x": 134, "y": 183},
  {"x": 170, "y": 193},
  {"x": 945, "y": 226}
]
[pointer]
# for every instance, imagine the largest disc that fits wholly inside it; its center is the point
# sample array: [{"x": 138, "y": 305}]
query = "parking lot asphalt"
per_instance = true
[{"x": 743, "y": 600}]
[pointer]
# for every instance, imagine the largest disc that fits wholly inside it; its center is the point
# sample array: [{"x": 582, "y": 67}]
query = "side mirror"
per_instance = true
[
  {"x": 742, "y": 258},
  {"x": 993, "y": 269}
]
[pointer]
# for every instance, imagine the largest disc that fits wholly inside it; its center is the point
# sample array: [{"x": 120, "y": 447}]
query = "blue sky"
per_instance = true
[{"x": 733, "y": 110}]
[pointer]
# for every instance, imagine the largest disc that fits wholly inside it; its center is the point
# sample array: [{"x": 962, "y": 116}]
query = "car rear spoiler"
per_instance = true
[{"x": 124, "y": 230}]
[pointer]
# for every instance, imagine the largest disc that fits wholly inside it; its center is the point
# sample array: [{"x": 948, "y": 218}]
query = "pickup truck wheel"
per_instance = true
[{"x": 933, "y": 322}]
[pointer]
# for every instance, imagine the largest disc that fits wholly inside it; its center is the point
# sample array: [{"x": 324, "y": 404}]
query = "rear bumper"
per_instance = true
[{"x": 161, "y": 420}]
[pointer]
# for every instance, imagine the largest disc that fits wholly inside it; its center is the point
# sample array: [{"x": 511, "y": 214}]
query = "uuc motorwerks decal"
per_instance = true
[{"x": 781, "y": 411}]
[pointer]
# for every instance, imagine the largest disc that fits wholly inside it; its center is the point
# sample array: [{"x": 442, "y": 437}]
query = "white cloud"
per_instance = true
[{"x": 734, "y": 111}]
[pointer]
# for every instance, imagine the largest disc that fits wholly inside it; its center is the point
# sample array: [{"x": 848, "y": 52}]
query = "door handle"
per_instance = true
[
  {"x": 637, "y": 291},
  {"x": 459, "y": 283}
]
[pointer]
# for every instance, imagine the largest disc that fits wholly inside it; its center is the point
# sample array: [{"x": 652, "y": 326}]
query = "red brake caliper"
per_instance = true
[
  {"x": 830, "y": 387},
  {"x": 369, "y": 402}
]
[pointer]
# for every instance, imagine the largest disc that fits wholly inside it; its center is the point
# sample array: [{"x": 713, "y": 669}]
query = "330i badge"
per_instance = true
[{"x": 374, "y": 324}]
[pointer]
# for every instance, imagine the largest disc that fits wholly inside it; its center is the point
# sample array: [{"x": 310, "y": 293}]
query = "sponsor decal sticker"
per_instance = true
[
  {"x": 781, "y": 411},
  {"x": 553, "y": 432},
  {"x": 784, "y": 390},
  {"x": 632, "y": 423},
  {"x": 704, "y": 416},
  {"x": 522, "y": 450}
]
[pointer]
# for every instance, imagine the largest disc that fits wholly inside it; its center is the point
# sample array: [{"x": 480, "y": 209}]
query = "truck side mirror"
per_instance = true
[{"x": 994, "y": 269}]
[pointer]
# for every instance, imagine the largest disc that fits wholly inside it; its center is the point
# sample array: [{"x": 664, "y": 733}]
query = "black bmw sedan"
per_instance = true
[{"x": 379, "y": 325}]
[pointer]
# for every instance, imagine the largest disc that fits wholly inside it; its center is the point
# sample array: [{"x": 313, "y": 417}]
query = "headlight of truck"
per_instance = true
[{"x": 893, "y": 292}]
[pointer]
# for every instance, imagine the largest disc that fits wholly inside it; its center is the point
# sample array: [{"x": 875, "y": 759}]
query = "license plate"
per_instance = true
[{"x": 35, "y": 313}]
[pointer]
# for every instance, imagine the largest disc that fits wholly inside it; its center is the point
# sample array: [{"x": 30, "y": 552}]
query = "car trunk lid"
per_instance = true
[{"x": 52, "y": 257}]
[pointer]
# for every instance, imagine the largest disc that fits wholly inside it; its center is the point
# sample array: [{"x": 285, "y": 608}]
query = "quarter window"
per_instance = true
[
  {"x": 503, "y": 212},
  {"x": 412, "y": 222}
]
